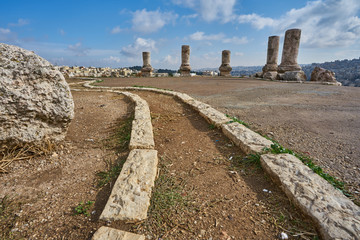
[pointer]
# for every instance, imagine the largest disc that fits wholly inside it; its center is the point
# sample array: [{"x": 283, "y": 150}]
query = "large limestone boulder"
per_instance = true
[
  {"x": 323, "y": 75},
  {"x": 35, "y": 100}
]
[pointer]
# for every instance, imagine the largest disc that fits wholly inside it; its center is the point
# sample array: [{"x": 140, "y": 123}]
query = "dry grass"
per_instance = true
[{"x": 23, "y": 152}]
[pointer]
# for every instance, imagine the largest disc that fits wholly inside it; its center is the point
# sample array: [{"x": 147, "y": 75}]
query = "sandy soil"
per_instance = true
[{"x": 319, "y": 120}]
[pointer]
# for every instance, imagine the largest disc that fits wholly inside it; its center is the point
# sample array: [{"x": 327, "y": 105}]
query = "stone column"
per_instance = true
[
  {"x": 146, "y": 70},
  {"x": 271, "y": 66},
  {"x": 185, "y": 61},
  {"x": 289, "y": 66},
  {"x": 225, "y": 67}
]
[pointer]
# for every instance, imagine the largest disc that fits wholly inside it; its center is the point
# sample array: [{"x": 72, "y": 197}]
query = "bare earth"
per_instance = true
[{"x": 320, "y": 120}]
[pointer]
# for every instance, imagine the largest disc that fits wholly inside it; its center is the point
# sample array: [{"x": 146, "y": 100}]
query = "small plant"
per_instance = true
[
  {"x": 83, "y": 208},
  {"x": 212, "y": 126},
  {"x": 235, "y": 119},
  {"x": 105, "y": 177}
]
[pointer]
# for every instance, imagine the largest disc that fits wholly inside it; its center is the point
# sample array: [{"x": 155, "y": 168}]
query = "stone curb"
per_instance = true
[
  {"x": 336, "y": 216},
  {"x": 106, "y": 233},
  {"x": 130, "y": 197}
]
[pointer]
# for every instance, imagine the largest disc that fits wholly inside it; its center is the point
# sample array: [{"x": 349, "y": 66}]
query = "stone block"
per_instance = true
[
  {"x": 249, "y": 141},
  {"x": 142, "y": 136},
  {"x": 130, "y": 196},
  {"x": 270, "y": 75},
  {"x": 298, "y": 76},
  {"x": 213, "y": 116},
  {"x": 335, "y": 216},
  {"x": 106, "y": 233}
]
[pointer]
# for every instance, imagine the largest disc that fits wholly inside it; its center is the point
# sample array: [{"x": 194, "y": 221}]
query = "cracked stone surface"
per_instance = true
[
  {"x": 106, "y": 233},
  {"x": 35, "y": 100},
  {"x": 142, "y": 136},
  {"x": 249, "y": 141},
  {"x": 336, "y": 216},
  {"x": 130, "y": 196}
]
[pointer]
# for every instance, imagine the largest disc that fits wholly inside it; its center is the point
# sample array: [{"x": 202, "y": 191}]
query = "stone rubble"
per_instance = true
[
  {"x": 323, "y": 75},
  {"x": 36, "y": 102}
]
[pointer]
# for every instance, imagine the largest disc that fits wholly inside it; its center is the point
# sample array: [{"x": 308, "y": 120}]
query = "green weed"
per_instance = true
[{"x": 83, "y": 208}]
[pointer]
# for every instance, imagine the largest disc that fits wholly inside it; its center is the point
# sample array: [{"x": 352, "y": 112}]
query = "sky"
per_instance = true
[{"x": 115, "y": 33}]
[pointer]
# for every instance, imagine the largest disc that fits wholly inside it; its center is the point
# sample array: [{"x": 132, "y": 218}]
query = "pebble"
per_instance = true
[{"x": 284, "y": 236}]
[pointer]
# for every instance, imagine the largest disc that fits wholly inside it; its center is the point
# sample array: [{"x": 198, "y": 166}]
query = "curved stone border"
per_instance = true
[
  {"x": 335, "y": 215},
  {"x": 130, "y": 197}
]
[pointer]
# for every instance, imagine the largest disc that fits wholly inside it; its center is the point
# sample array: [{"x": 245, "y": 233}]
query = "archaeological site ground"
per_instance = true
[{"x": 206, "y": 186}]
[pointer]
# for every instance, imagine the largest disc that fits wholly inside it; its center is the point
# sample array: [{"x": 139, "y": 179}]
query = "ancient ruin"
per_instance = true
[
  {"x": 271, "y": 66},
  {"x": 36, "y": 103},
  {"x": 185, "y": 61},
  {"x": 324, "y": 76},
  {"x": 146, "y": 70},
  {"x": 225, "y": 67},
  {"x": 289, "y": 69}
]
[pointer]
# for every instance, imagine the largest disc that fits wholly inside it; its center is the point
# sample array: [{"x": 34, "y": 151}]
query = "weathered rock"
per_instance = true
[
  {"x": 130, "y": 196},
  {"x": 185, "y": 61},
  {"x": 142, "y": 136},
  {"x": 249, "y": 141},
  {"x": 225, "y": 67},
  {"x": 35, "y": 100},
  {"x": 106, "y": 233},
  {"x": 270, "y": 75},
  {"x": 336, "y": 216},
  {"x": 146, "y": 70},
  {"x": 322, "y": 75},
  {"x": 296, "y": 76}
]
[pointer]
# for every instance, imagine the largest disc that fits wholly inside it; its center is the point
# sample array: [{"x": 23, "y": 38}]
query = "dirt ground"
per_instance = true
[
  {"x": 211, "y": 191},
  {"x": 318, "y": 120}
]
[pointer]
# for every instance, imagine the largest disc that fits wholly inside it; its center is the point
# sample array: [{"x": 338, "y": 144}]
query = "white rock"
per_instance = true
[
  {"x": 335, "y": 216},
  {"x": 106, "y": 233},
  {"x": 130, "y": 196},
  {"x": 35, "y": 100},
  {"x": 249, "y": 141}
]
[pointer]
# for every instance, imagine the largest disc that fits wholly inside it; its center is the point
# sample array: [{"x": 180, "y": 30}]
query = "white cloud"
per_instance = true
[
  {"x": 151, "y": 21},
  {"x": 171, "y": 60},
  {"x": 211, "y": 10},
  {"x": 116, "y": 30},
  {"x": 236, "y": 40},
  {"x": 112, "y": 59},
  {"x": 20, "y": 22},
  {"x": 4, "y": 31},
  {"x": 200, "y": 36},
  {"x": 7, "y": 36},
  {"x": 78, "y": 49},
  {"x": 239, "y": 54},
  {"x": 324, "y": 23},
  {"x": 140, "y": 45},
  {"x": 257, "y": 21},
  {"x": 62, "y": 32}
]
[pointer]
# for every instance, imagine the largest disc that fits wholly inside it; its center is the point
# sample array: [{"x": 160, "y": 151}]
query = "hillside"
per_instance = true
[{"x": 346, "y": 71}]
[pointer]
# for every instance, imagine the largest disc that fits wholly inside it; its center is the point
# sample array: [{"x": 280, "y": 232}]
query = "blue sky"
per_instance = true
[{"x": 114, "y": 33}]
